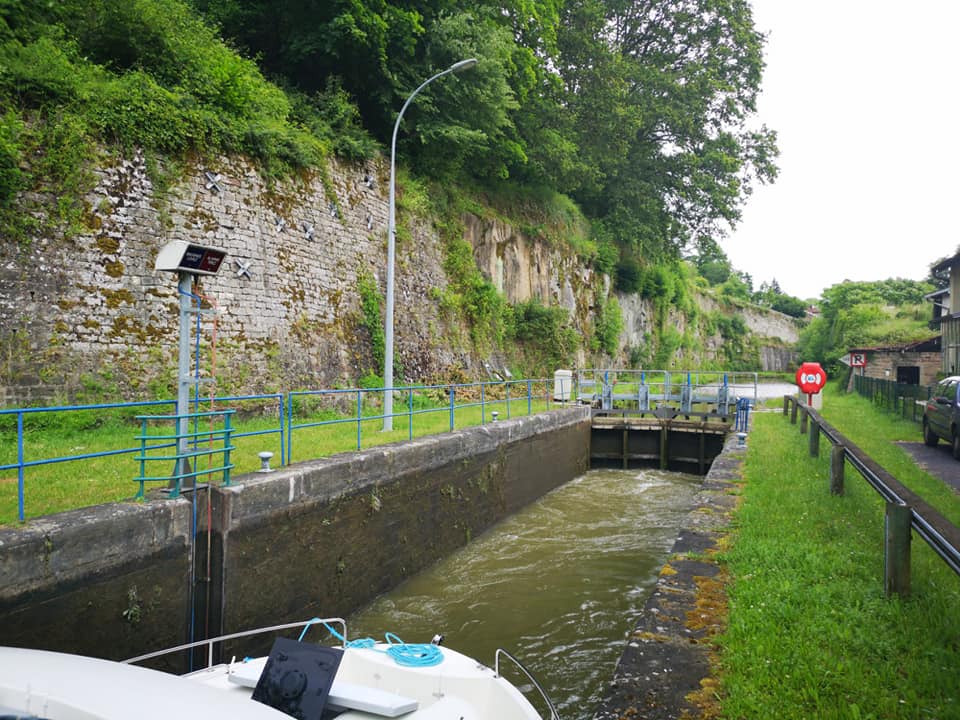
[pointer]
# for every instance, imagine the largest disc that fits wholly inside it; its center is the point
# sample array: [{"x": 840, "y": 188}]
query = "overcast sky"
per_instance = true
[{"x": 864, "y": 97}]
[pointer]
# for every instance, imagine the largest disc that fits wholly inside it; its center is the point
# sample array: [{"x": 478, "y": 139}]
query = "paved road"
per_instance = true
[{"x": 935, "y": 460}]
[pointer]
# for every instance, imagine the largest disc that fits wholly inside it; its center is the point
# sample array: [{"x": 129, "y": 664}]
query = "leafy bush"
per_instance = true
[
  {"x": 11, "y": 178},
  {"x": 629, "y": 277},
  {"x": 371, "y": 319},
  {"x": 608, "y": 326},
  {"x": 333, "y": 118},
  {"x": 789, "y": 305},
  {"x": 607, "y": 258},
  {"x": 658, "y": 284},
  {"x": 146, "y": 73},
  {"x": 546, "y": 331}
]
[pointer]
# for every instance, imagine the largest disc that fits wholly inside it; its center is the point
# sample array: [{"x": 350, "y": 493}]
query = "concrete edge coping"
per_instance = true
[
  {"x": 57, "y": 547},
  {"x": 665, "y": 669},
  {"x": 325, "y": 479}
]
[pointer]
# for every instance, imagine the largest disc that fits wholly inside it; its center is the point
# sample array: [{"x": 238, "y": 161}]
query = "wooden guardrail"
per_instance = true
[{"x": 905, "y": 510}]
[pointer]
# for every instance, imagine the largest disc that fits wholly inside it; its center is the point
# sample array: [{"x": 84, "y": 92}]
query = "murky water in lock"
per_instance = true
[{"x": 558, "y": 584}]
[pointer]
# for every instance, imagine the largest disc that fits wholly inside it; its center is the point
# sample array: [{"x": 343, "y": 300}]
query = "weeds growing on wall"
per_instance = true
[
  {"x": 607, "y": 327},
  {"x": 370, "y": 317},
  {"x": 546, "y": 337}
]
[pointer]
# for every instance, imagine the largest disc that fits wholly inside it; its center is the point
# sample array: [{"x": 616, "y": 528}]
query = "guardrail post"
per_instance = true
[
  {"x": 814, "y": 439},
  {"x": 793, "y": 411},
  {"x": 837, "y": 464},
  {"x": 804, "y": 419},
  {"x": 896, "y": 549}
]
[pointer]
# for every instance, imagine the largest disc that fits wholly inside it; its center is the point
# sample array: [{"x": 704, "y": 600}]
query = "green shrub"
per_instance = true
[
  {"x": 549, "y": 339},
  {"x": 629, "y": 277},
  {"x": 11, "y": 177},
  {"x": 371, "y": 318},
  {"x": 608, "y": 326},
  {"x": 607, "y": 258}
]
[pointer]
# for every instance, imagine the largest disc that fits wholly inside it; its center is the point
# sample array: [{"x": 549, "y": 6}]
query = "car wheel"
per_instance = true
[
  {"x": 929, "y": 436},
  {"x": 955, "y": 444}
]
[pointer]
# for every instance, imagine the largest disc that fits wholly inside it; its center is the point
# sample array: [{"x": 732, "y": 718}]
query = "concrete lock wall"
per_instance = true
[
  {"x": 321, "y": 538},
  {"x": 105, "y": 581}
]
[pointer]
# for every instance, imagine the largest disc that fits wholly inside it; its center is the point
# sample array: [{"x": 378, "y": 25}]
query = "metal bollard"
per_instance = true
[{"x": 265, "y": 461}]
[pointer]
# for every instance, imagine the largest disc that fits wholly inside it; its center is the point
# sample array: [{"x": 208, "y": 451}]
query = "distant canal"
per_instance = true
[{"x": 558, "y": 584}]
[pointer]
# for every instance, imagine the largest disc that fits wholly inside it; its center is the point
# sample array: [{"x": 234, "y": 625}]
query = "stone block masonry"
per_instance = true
[
  {"x": 86, "y": 316},
  {"x": 89, "y": 312},
  {"x": 320, "y": 538}
]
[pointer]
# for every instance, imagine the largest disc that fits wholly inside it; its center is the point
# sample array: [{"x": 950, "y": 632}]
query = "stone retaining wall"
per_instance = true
[{"x": 320, "y": 538}]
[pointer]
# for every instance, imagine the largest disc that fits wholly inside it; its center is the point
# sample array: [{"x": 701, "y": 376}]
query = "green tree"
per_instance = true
[
  {"x": 864, "y": 314},
  {"x": 662, "y": 92}
]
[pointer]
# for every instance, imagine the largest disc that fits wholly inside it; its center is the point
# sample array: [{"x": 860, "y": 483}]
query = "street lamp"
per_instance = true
[{"x": 391, "y": 242}]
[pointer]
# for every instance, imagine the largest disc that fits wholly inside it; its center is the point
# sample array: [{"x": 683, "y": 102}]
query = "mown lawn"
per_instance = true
[
  {"x": 811, "y": 633},
  {"x": 83, "y": 482}
]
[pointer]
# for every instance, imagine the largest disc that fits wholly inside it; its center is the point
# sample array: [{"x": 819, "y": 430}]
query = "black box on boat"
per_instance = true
[{"x": 297, "y": 677}]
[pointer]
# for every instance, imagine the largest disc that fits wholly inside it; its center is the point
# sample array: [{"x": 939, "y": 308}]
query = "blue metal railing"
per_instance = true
[
  {"x": 181, "y": 459},
  {"x": 645, "y": 390},
  {"x": 22, "y": 464},
  {"x": 410, "y": 393},
  {"x": 505, "y": 398}
]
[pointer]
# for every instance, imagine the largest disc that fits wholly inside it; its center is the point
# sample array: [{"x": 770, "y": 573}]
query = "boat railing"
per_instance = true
[
  {"x": 212, "y": 642},
  {"x": 554, "y": 715}
]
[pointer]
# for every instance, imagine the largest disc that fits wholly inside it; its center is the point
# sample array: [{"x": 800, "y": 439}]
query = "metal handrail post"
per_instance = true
[
  {"x": 483, "y": 406},
  {"x": 283, "y": 458},
  {"x": 143, "y": 457},
  {"x": 453, "y": 405},
  {"x": 21, "y": 486},
  {"x": 359, "y": 415},
  {"x": 290, "y": 428},
  {"x": 529, "y": 397},
  {"x": 554, "y": 715},
  {"x": 410, "y": 414},
  {"x": 227, "y": 429}
]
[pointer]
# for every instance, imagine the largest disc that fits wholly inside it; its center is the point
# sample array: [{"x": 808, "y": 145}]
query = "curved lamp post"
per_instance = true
[{"x": 391, "y": 242}]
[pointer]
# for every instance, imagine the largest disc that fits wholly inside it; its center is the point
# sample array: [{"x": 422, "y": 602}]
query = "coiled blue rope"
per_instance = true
[
  {"x": 406, "y": 654},
  {"x": 413, "y": 654}
]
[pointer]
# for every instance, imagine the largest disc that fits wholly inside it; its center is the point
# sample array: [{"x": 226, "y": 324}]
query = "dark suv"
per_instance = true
[{"x": 941, "y": 416}]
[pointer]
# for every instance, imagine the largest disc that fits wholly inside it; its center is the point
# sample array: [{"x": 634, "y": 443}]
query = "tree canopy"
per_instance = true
[
  {"x": 639, "y": 111},
  {"x": 866, "y": 314}
]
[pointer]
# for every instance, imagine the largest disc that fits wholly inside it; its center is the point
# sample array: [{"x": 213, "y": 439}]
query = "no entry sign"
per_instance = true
[{"x": 811, "y": 378}]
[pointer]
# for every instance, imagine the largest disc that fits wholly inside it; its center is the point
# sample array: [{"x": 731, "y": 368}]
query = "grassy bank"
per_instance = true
[{"x": 811, "y": 634}]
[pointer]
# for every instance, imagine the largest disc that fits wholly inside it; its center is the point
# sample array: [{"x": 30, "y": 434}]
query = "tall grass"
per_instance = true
[{"x": 811, "y": 633}]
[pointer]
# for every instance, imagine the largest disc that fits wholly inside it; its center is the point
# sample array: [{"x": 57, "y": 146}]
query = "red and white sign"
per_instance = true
[
  {"x": 858, "y": 359},
  {"x": 811, "y": 378}
]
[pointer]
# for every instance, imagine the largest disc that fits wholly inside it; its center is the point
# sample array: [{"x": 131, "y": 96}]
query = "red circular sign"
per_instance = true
[{"x": 811, "y": 378}]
